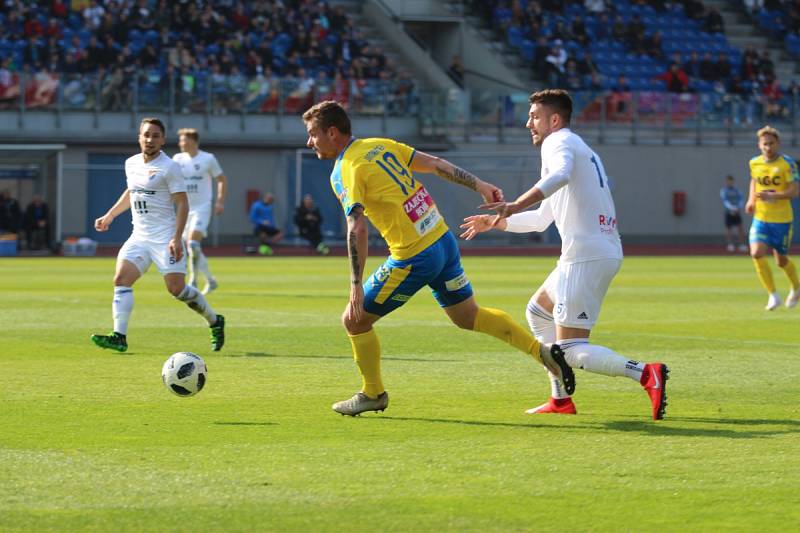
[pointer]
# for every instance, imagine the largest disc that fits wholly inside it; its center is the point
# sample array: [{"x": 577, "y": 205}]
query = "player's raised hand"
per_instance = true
[
  {"x": 176, "y": 249},
  {"x": 356, "y": 304},
  {"x": 476, "y": 224},
  {"x": 101, "y": 224},
  {"x": 489, "y": 191}
]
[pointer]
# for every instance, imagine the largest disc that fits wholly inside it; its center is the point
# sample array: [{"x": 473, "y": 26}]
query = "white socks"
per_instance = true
[
  {"x": 544, "y": 329},
  {"x": 599, "y": 359},
  {"x": 121, "y": 308},
  {"x": 194, "y": 299},
  {"x": 198, "y": 261}
]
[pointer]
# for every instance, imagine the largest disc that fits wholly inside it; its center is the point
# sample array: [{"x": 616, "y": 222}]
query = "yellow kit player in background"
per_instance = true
[
  {"x": 373, "y": 178},
  {"x": 774, "y": 182}
]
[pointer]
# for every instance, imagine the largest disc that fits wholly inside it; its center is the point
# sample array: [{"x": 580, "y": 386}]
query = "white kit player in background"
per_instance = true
[
  {"x": 200, "y": 169},
  {"x": 574, "y": 192},
  {"x": 156, "y": 195}
]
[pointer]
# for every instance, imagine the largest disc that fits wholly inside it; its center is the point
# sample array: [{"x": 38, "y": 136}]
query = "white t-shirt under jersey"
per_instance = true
[
  {"x": 151, "y": 186},
  {"x": 577, "y": 198},
  {"x": 199, "y": 172}
]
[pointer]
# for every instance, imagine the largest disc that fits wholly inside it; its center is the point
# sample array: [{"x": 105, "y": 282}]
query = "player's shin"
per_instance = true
[
  {"x": 199, "y": 260},
  {"x": 367, "y": 354},
  {"x": 194, "y": 252},
  {"x": 764, "y": 273},
  {"x": 499, "y": 324},
  {"x": 197, "y": 302},
  {"x": 791, "y": 273},
  {"x": 544, "y": 329},
  {"x": 121, "y": 308},
  {"x": 599, "y": 359}
]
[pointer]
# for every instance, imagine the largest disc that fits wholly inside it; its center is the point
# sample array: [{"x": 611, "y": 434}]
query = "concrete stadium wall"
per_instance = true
[{"x": 643, "y": 180}]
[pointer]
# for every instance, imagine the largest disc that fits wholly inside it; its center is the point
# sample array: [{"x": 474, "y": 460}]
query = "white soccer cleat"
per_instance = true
[
  {"x": 210, "y": 286},
  {"x": 774, "y": 302},
  {"x": 791, "y": 300}
]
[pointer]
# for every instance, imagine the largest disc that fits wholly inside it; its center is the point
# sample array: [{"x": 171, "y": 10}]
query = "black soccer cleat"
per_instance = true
[
  {"x": 218, "y": 334},
  {"x": 553, "y": 359},
  {"x": 112, "y": 341}
]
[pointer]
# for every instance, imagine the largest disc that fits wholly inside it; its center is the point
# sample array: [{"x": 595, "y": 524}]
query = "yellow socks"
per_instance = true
[
  {"x": 791, "y": 273},
  {"x": 499, "y": 324},
  {"x": 367, "y": 353},
  {"x": 765, "y": 273}
]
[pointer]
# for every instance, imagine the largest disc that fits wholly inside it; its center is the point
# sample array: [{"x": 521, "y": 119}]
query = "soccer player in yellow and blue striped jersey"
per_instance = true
[
  {"x": 774, "y": 182},
  {"x": 374, "y": 178}
]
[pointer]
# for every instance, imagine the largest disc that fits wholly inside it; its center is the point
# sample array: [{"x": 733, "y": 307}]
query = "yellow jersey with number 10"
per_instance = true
[
  {"x": 375, "y": 174},
  {"x": 776, "y": 175}
]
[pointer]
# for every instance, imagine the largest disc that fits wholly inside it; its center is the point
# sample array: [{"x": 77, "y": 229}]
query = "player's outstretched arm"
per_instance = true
[
  {"x": 443, "y": 168},
  {"x": 181, "y": 201},
  {"x": 120, "y": 206},
  {"x": 222, "y": 189},
  {"x": 357, "y": 249}
]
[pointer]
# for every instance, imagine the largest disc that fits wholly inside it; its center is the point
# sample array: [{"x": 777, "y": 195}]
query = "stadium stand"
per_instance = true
[{"x": 221, "y": 56}]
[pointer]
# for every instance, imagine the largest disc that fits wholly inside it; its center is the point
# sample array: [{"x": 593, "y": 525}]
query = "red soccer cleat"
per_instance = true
[
  {"x": 654, "y": 381},
  {"x": 559, "y": 406}
]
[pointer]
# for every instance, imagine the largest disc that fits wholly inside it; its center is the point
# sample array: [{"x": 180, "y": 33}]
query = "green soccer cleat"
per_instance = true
[
  {"x": 112, "y": 341},
  {"x": 218, "y": 334},
  {"x": 360, "y": 403}
]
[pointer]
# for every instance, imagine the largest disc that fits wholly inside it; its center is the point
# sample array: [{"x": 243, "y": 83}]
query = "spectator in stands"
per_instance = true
[
  {"x": 675, "y": 79},
  {"x": 766, "y": 67},
  {"x": 556, "y": 61},
  {"x": 309, "y": 222},
  {"x": 713, "y": 21},
  {"x": 619, "y": 101},
  {"x": 603, "y": 29},
  {"x": 10, "y": 213},
  {"x": 540, "y": 53},
  {"x": 579, "y": 33},
  {"x": 620, "y": 29},
  {"x": 263, "y": 220},
  {"x": 708, "y": 68},
  {"x": 595, "y": 6},
  {"x": 37, "y": 224},
  {"x": 586, "y": 65},
  {"x": 694, "y": 9},
  {"x": 572, "y": 77},
  {"x": 723, "y": 67},
  {"x": 692, "y": 66},
  {"x": 773, "y": 100},
  {"x": 654, "y": 45},
  {"x": 456, "y": 70}
]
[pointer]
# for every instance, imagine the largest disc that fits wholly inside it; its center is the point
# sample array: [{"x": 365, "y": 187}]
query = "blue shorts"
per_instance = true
[
  {"x": 396, "y": 281},
  {"x": 776, "y": 235}
]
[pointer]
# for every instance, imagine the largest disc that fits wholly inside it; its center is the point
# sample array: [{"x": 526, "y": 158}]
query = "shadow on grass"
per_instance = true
[
  {"x": 287, "y": 295},
  {"x": 349, "y": 357},
  {"x": 245, "y": 424},
  {"x": 647, "y": 427},
  {"x": 664, "y": 429}
]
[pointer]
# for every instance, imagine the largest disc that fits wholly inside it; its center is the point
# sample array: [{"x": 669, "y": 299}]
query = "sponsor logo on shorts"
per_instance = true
[
  {"x": 401, "y": 297},
  {"x": 456, "y": 283},
  {"x": 583, "y": 316},
  {"x": 382, "y": 274}
]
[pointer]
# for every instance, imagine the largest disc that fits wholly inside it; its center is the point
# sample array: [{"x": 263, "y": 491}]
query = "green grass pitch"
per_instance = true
[{"x": 90, "y": 440}]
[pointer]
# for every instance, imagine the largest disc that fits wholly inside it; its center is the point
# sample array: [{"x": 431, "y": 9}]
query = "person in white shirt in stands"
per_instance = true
[
  {"x": 156, "y": 195},
  {"x": 574, "y": 193},
  {"x": 199, "y": 169}
]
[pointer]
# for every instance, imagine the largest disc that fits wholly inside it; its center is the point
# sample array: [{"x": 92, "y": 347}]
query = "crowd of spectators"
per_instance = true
[
  {"x": 231, "y": 55},
  {"x": 34, "y": 221},
  {"x": 638, "y": 45}
]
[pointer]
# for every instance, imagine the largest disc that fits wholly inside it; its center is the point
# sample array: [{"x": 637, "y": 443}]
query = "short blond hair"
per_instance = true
[
  {"x": 768, "y": 130},
  {"x": 189, "y": 132}
]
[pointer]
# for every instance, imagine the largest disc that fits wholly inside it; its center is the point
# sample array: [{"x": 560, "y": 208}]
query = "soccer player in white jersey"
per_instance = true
[
  {"x": 200, "y": 169},
  {"x": 573, "y": 191},
  {"x": 156, "y": 195}
]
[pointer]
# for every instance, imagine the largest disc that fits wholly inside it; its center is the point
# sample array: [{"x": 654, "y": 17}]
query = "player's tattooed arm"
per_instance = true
[
  {"x": 431, "y": 164},
  {"x": 357, "y": 233}
]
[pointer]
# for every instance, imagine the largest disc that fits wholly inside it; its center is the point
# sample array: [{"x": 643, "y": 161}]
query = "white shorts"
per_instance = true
[
  {"x": 142, "y": 253},
  {"x": 198, "y": 220},
  {"x": 577, "y": 291}
]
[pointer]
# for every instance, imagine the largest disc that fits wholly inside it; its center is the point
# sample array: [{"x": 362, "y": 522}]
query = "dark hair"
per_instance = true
[
  {"x": 327, "y": 114},
  {"x": 558, "y": 100},
  {"x": 157, "y": 122}
]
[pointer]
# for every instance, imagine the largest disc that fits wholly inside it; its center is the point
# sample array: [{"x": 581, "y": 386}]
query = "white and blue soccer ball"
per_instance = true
[{"x": 184, "y": 373}]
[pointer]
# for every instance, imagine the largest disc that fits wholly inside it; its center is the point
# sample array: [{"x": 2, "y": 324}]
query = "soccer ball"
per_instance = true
[{"x": 184, "y": 373}]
